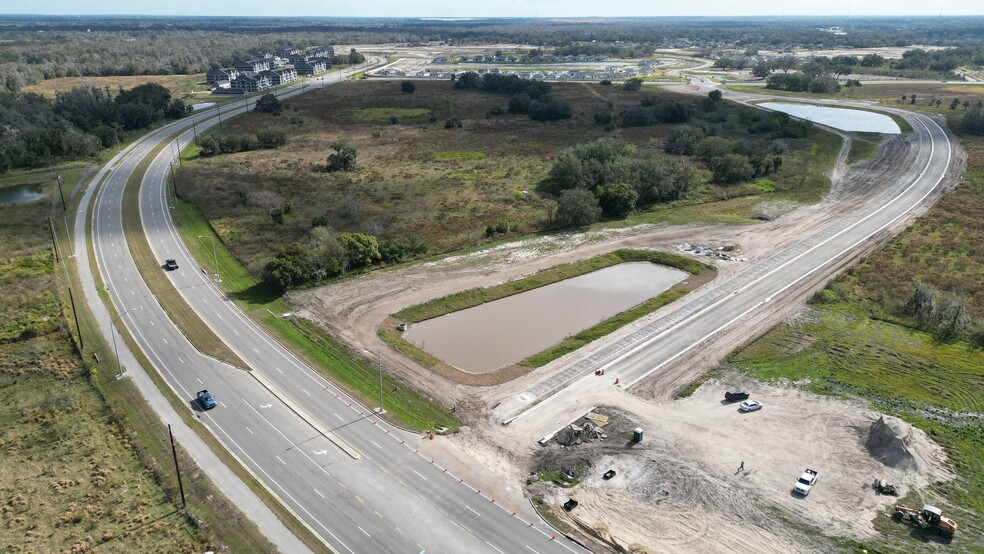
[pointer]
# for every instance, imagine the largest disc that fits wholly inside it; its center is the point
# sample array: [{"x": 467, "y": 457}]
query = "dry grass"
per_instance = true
[
  {"x": 180, "y": 86},
  {"x": 416, "y": 178}
]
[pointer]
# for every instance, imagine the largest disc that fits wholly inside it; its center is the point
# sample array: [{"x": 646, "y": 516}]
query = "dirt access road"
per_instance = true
[{"x": 352, "y": 311}]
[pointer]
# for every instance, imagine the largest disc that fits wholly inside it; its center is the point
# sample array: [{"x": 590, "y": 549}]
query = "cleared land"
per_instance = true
[
  {"x": 446, "y": 186},
  {"x": 181, "y": 86}
]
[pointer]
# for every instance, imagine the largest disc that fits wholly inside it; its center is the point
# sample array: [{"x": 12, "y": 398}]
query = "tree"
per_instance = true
[
  {"x": 715, "y": 95},
  {"x": 452, "y": 123},
  {"x": 209, "y": 145},
  {"x": 520, "y": 103},
  {"x": 955, "y": 103},
  {"x": 408, "y": 87},
  {"x": 762, "y": 70},
  {"x": 684, "y": 139},
  {"x": 355, "y": 58},
  {"x": 634, "y": 83},
  {"x": 361, "y": 250},
  {"x": 616, "y": 199},
  {"x": 872, "y": 60},
  {"x": 577, "y": 207},
  {"x": 549, "y": 108},
  {"x": 973, "y": 122},
  {"x": 268, "y": 103},
  {"x": 714, "y": 147},
  {"x": 271, "y": 138},
  {"x": 733, "y": 168},
  {"x": 343, "y": 159},
  {"x": 468, "y": 80},
  {"x": 289, "y": 267}
]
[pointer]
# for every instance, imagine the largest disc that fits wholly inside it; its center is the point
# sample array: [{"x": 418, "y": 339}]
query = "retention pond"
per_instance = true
[
  {"x": 858, "y": 121},
  {"x": 19, "y": 194},
  {"x": 488, "y": 337}
]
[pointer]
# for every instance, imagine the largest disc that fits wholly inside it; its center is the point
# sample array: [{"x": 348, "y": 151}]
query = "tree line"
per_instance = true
[
  {"x": 527, "y": 96},
  {"x": 36, "y": 132}
]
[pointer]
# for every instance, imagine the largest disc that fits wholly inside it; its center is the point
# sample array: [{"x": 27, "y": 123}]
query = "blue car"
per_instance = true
[{"x": 206, "y": 400}]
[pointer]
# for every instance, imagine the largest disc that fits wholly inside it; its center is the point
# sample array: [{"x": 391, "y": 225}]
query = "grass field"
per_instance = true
[
  {"x": 856, "y": 343},
  {"x": 444, "y": 186},
  {"x": 72, "y": 478},
  {"x": 181, "y": 86}
]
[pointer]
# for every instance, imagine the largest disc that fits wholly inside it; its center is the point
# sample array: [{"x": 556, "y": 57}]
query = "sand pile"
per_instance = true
[{"x": 890, "y": 440}]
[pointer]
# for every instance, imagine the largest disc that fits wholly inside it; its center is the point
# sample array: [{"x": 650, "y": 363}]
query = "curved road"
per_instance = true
[
  {"x": 654, "y": 347},
  {"x": 355, "y": 481}
]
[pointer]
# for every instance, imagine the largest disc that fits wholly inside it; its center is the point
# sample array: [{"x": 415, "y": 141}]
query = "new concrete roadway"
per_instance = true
[
  {"x": 724, "y": 309},
  {"x": 358, "y": 483}
]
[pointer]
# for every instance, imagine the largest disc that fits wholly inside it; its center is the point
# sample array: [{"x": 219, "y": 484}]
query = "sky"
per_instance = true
[{"x": 494, "y": 8}]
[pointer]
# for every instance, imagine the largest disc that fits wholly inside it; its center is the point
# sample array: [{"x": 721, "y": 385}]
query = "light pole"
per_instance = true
[
  {"x": 215, "y": 259},
  {"x": 119, "y": 366},
  {"x": 379, "y": 365}
]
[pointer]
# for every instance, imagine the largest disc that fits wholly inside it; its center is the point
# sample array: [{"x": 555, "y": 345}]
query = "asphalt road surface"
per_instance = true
[{"x": 355, "y": 481}]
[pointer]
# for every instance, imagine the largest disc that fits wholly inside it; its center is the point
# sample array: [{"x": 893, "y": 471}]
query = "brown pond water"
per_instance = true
[{"x": 487, "y": 337}]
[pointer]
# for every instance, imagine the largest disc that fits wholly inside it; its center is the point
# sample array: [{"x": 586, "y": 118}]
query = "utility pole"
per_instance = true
[
  {"x": 379, "y": 363},
  {"x": 54, "y": 242},
  {"x": 178, "y": 144},
  {"x": 194, "y": 125},
  {"x": 174, "y": 182},
  {"x": 75, "y": 314},
  {"x": 177, "y": 469},
  {"x": 117, "y": 135},
  {"x": 61, "y": 182}
]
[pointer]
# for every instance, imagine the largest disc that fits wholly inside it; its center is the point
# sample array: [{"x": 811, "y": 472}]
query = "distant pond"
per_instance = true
[
  {"x": 496, "y": 334},
  {"x": 859, "y": 121},
  {"x": 21, "y": 194}
]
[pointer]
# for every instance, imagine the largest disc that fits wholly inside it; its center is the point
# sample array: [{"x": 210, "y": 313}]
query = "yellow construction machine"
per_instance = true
[{"x": 930, "y": 518}]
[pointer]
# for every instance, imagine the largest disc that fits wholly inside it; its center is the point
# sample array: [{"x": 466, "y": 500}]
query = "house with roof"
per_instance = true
[
  {"x": 251, "y": 83},
  {"x": 253, "y": 66},
  {"x": 213, "y": 76},
  {"x": 280, "y": 75},
  {"x": 311, "y": 67}
]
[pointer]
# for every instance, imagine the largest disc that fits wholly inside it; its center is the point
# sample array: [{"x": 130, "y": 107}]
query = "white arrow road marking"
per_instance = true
[
  {"x": 266, "y": 406},
  {"x": 321, "y": 452}
]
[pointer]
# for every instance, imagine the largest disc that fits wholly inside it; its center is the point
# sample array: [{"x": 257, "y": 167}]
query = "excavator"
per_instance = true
[{"x": 929, "y": 518}]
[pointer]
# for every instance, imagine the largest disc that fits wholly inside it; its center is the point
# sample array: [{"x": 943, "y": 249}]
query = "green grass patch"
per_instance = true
[
  {"x": 384, "y": 114},
  {"x": 358, "y": 377},
  {"x": 459, "y": 156},
  {"x": 477, "y": 296},
  {"x": 356, "y": 373},
  {"x": 396, "y": 342}
]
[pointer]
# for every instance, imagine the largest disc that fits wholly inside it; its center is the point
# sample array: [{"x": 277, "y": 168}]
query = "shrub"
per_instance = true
[{"x": 577, "y": 207}]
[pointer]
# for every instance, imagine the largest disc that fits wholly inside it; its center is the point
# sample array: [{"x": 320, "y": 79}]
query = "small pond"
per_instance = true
[
  {"x": 488, "y": 337},
  {"x": 858, "y": 121},
  {"x": 21, "y": 194}
]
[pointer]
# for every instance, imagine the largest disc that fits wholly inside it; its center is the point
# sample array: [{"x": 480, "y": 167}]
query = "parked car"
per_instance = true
[
  {"x": 206, "y": 400},
  {"x": 736, "y": 395},
  {"x": 750, "y": 406},
  {"x": 170, "y": 265},
  {"x": 806, "y": 481},
  {"x": 401, "y": 327}
]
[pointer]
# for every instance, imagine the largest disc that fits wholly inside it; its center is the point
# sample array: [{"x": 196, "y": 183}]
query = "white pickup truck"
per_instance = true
[{"x": 805, "y": 482}]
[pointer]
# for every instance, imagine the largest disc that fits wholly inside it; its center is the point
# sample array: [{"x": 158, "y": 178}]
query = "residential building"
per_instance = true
[
  {"x": 312, "y": 67},
  {"x": 223, "y": 74},
  {"x": 253, "y": 66},
  {"x": 251, "y": 83},
  {"x": 280, "y": 75}
]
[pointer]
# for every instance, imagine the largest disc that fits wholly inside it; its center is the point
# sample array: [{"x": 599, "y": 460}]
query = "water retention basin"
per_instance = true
[
  {"x": 860, "y": 121},
  {"x": 488, "y": 337}
]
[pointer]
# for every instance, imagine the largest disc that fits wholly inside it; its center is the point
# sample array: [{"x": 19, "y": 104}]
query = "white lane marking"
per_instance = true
[
  {"x": 531, "y": 548},
  {"x": 377, "y": 446},
  {"x": 364, "y": 531},
  {"x": 319, "y": 493},
  {"x": 280, "y": 370},
  {"x": 222, "y": 403},
  {"x": 250, "y": 430},
  {"x": 199, "y": 380},
  {"x": 152, "y": 323},
  {"x": 473, "y": 511},
  {"x": 281, "y": 460},
  {"x": 236, "y": 332},
  {"x": 306, "y": 392},
  {"x": 339, "y": 417},
  {"x": 419, "y": 475},
  {"x": 164, "y": 339},
  {"x": 494, "y": 548},
  {"x": 255, "y": 350},
  {"x": 180, "y": 360}
]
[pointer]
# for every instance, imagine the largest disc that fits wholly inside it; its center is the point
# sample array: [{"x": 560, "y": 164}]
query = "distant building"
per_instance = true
[
  {"x": 280, "y": 75},
  {"x": 224, "y": 74},
  {"x": 253, "y": 66},
  {"x": 311, "y": 67},
  {"x": 251, "y": 83}
]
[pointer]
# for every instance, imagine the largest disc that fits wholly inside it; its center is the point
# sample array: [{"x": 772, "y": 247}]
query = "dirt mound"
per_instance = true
[{"x": 890, "y": 441}]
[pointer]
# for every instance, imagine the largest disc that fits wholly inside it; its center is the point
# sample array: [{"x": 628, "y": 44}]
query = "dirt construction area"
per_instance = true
[
  {"x": 707, "y": 477},
  {"x": 680, "y": 489}
]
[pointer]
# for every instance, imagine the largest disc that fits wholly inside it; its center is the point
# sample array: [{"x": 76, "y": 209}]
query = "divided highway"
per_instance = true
[{"x": 360, "y": 484}]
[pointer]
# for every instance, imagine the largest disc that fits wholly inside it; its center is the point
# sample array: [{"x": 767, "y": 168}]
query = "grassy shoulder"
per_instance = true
[
  {"x": 864, "y": 146},
  {"x": 477, "y": 296},
  {"x": 356, "y": 374}
]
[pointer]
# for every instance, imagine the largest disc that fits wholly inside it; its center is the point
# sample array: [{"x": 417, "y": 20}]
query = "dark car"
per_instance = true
[
  {"x": 206, "y": 400},
  {"x": 170, "y": 265},
  {"x": 736, "y": 395}
]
